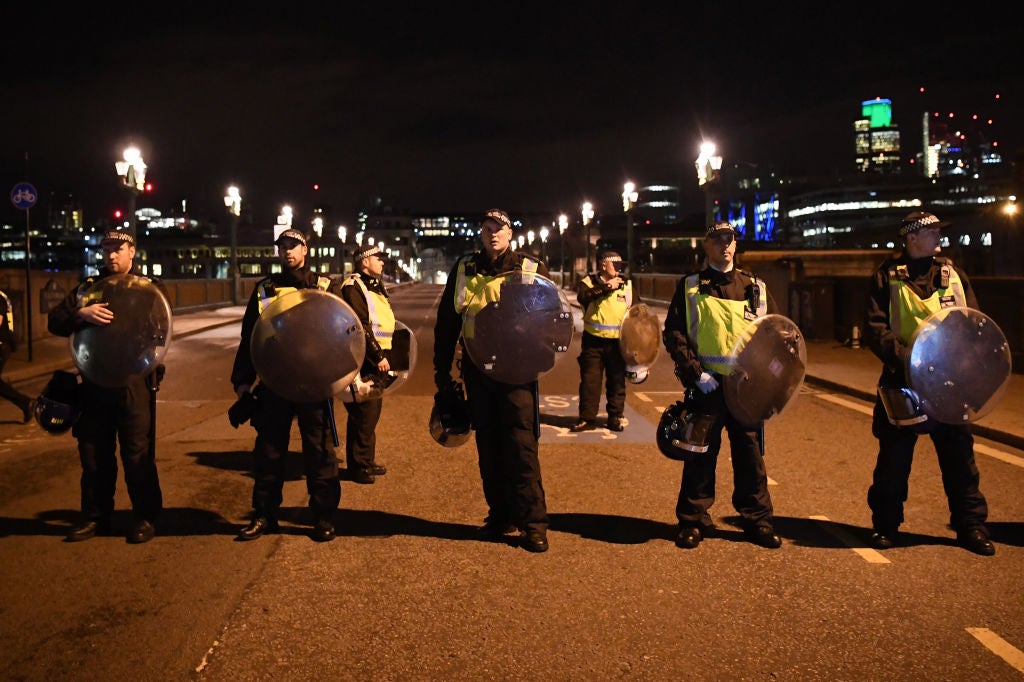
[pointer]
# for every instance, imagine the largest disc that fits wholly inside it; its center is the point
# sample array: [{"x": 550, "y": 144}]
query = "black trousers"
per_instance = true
[
  {"x": 6, "y": 390},
  {"x": 505, "y": 417},
  {"x": 750, "y": 495},
  {"x": 273, "y": 422},
  {"x": 361, "y": 433},
  {"x": 954, "y": 446},
  {"x": 599, "y": 359},
  {"x": 110, "y": 416}
]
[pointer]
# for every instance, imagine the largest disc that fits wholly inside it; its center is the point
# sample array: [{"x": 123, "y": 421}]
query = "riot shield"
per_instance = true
[
  {"x": 639, "y": 341},
  {"x": 134, "y": 343},
  {"x": 375, "y": 385},
  {"x": 959, "y": 365},
  {"x": 307, "y": 345},
  {"x": 769, "y": 367},
  {"x": 517, "y": 327}
]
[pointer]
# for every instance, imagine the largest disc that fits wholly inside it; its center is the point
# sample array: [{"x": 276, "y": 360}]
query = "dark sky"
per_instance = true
[{"x": 457, "y": 106}]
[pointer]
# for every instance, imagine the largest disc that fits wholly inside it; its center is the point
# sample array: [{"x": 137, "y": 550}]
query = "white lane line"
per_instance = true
[
  {"x": 858, "y": 406},
  {"x": 866, "y": 553},
  {"x": 999, "y": 454},
  {"x": 999, "y": 646},
  {"x": 978, "y": 447}
]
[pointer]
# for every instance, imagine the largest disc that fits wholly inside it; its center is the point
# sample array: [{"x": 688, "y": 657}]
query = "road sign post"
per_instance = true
[{"x": 23, "y": 196}]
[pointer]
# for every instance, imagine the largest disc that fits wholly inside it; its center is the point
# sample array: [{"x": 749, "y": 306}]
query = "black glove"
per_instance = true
[
  {"x": 242, "y": 410},
  {"x": 449, "y": 395}
]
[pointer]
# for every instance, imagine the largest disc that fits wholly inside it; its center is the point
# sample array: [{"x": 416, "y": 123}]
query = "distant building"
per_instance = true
[{"x": 877, "y": 139}]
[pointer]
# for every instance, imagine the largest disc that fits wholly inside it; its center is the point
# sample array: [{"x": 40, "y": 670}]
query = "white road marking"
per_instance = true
[
  {"x": 869, "y": 555},
  {"x": 978, "y": 447},
  {"x": 999, "y": 454},
  {"x": 999, "y": 646},
  {"x": 858, "y": 406}
]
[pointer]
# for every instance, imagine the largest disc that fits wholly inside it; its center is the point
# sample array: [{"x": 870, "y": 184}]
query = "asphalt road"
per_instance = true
[{"x": 407, "y": 592}]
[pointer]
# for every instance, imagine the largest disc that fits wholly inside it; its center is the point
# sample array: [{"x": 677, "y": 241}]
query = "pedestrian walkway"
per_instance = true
[{"x": 830, "y": 365}]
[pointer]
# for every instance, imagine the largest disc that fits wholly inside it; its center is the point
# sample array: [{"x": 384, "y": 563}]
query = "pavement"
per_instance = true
[{"x": 830, "y": 365}]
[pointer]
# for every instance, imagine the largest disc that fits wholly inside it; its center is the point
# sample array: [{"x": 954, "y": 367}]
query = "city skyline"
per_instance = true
[{"x": 533, "y": 108}]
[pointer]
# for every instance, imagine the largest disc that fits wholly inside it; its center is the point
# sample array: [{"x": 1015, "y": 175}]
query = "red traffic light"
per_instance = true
[
  {"x": 149, "y": 186},
  {"x": 118, "y": 213}
]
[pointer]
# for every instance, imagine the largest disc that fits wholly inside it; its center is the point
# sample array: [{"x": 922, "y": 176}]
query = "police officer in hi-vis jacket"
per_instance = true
[{"x": 273, "y": 414}]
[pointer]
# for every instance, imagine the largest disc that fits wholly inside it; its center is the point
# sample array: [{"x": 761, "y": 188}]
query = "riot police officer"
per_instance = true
[
  {"x": 904, "y": 291},
  {"x": 605, "y": 297},
  {"x": 365, "y": 293},
  {"x": 706, "y": 309},
  {"x": 273, "y": 414},
  {"x": 504, "y": 415},
  {"x": 112, "y": 415}
]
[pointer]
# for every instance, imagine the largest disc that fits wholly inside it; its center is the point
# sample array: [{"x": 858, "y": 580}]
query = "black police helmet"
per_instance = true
[
  {"x": 450, "y": 423},
  {"x": 683, "y": 433},
  {"x": 56, "y": 410}
]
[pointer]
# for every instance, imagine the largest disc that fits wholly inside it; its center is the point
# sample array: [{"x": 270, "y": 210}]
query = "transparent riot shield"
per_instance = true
[
  {"x": 639, "y": 341},
  {"x": 137, "y": 339},
  {"x": 959, "y": 365},
  {"x": 376, "y": 385},
  {"x": 307, "y": 345},
  {"x": 770, "y": 363},
  {"x": 517, "y": 327}
]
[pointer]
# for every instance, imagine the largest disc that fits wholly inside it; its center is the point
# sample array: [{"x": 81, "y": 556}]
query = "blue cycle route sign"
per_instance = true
[{"x": 23, "y": 196}]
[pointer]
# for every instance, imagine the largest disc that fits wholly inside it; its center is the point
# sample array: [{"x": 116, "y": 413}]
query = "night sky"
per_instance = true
[{"x": 440, "y": 107}]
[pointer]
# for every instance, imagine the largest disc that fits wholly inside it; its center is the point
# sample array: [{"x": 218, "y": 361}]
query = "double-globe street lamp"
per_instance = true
[
  {"x": 588, "y": 215},
  {"x": 563, "y": 223},
  {"x": 629, "y": 197},
  {"x": 233, "y": 202},
  {"x": 708, "y": 165},
  {"x": 132, "y": 170}
]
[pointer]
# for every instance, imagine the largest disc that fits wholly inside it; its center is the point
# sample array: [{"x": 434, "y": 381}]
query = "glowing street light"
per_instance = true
[
  {"x": 708, "y": 166},
  {"x": 233, "y": 202},
  {"x": 544, "y": 244}
]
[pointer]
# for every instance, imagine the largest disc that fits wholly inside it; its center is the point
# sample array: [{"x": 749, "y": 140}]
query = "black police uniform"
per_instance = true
[
  {"x": 600, "y": 358},
  {"x": 954, "y": 443},
  {"x": 272, "y": 419},
  {"x": 361, "y": 425},
  {"x": 750, "y": 479},
  {"x": 7, "y": 347},
  {"x": 109, "y": 416},
  {"x": 505, "y": 416}
]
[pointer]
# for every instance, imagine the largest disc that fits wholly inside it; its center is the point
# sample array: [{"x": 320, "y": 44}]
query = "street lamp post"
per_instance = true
[
  {"x": 588, "y": 215},
  {"x": 318, "y": 229},
  {"x": 629, "y": 197},
  {"x": 544, "y": 244},
  {"x": 708, "y": 166},
  {"x": 343, "y": 238},
  {"x": 563, "y": 223},
  {"x": 132, "y": 170},
  {"x": 232, "y": 200}
]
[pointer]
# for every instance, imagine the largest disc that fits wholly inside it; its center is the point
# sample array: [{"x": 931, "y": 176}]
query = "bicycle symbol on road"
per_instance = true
[{"x": 23, "y": 195}]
